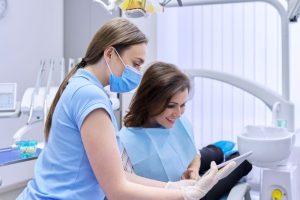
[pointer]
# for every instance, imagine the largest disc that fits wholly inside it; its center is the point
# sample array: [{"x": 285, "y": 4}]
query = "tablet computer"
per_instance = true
[{"x": 238, "y": 160}]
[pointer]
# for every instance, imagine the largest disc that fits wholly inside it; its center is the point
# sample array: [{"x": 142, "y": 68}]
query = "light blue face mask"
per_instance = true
[{"x": 128, "y": 81}]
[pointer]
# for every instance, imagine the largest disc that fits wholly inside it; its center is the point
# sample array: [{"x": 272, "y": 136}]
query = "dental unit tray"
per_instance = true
[{"x": 10, "y": 156}]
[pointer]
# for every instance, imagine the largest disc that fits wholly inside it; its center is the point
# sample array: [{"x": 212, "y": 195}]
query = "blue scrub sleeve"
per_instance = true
[
  {"x": 95, "y": 105},
  {"x": 87, "y": 99}
]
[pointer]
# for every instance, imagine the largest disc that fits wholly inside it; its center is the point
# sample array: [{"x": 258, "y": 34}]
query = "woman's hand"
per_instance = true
[
  {"x": 191, "y": 173},
  {"x": 206, "y": 182}
]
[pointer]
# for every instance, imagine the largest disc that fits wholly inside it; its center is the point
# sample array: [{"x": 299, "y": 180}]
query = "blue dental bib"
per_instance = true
[{"x": 160, "y": 153}]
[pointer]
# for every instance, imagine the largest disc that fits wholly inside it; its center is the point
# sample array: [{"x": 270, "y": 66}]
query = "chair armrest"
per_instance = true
[{"x": 239, "y": 192}]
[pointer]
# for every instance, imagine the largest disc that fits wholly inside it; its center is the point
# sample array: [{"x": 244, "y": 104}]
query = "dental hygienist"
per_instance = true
[{"x": 81, "y": 159}]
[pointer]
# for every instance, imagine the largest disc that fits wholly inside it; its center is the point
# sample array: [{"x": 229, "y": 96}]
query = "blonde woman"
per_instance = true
[{"x": 81, "y": 159}]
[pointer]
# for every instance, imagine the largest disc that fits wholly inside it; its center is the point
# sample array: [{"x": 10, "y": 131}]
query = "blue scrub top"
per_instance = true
[{"x": 62, "y": 170}]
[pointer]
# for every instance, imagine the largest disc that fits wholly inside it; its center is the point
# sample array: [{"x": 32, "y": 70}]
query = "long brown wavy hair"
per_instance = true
[
  {"x": 119, "y": 33},
  {"x": 160, "y": 83}
]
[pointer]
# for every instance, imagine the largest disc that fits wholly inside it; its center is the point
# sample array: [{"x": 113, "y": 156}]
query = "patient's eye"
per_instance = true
[
  {"x": 171, "y": 106},
  {"x": 137, "y": 66}
]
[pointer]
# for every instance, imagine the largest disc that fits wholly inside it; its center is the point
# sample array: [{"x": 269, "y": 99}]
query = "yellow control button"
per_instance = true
[{"x": 277, "y": 194}]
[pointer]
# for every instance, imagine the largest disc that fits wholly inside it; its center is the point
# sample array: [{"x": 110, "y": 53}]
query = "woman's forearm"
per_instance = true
[
  {"x": 144, "y": 181},
  {"x": 196, "y": 162},
  {"x": 133, "y": 191}
]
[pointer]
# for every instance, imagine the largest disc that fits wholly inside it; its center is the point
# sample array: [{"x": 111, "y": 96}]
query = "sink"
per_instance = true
[{"x": 271, "y": 146}]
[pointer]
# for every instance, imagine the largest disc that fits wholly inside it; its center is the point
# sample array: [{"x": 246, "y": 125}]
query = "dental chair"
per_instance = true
[{"x": 239, "y": 192}]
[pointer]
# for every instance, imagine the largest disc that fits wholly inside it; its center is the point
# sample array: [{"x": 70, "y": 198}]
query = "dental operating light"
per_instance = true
[
  {"x": 142, "y": 8},
  {"x": 134, "y": 8}
]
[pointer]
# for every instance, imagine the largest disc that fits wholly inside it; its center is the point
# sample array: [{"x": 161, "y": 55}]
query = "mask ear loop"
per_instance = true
[
  {"x": 108, "y": 66},
  {"x": 120, "y": 57},
  {"x": 125, "y": 64}
]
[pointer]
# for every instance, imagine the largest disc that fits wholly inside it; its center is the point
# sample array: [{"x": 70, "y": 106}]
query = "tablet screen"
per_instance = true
[{"x": 238, "y": 160}]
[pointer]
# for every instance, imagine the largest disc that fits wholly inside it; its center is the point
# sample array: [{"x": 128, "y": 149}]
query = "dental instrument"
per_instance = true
[
  {"x": 71, "y": 64},
  {"x": 47, "y": 92},
  {"x": 62, "y": 69},
  {"x": 31, "y": 96}
]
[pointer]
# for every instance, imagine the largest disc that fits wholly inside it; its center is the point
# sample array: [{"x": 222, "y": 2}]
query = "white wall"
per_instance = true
[
  {"x": 30, "y": 31},
  {"x": 295, "y": 72},
  {"x": 82, "y": 18}
]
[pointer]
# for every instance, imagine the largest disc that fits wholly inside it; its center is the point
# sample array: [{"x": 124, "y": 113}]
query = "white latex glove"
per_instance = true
[
  {"x": 206, "y": 182},
  {"x": 179, "y": 184}
]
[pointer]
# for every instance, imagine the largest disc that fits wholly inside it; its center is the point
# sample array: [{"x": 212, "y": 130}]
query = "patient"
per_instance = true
[{"x": 158, "y": 141}]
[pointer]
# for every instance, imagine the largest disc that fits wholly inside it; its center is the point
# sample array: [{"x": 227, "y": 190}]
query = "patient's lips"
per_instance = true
[{"x": 171, "y": 120}]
